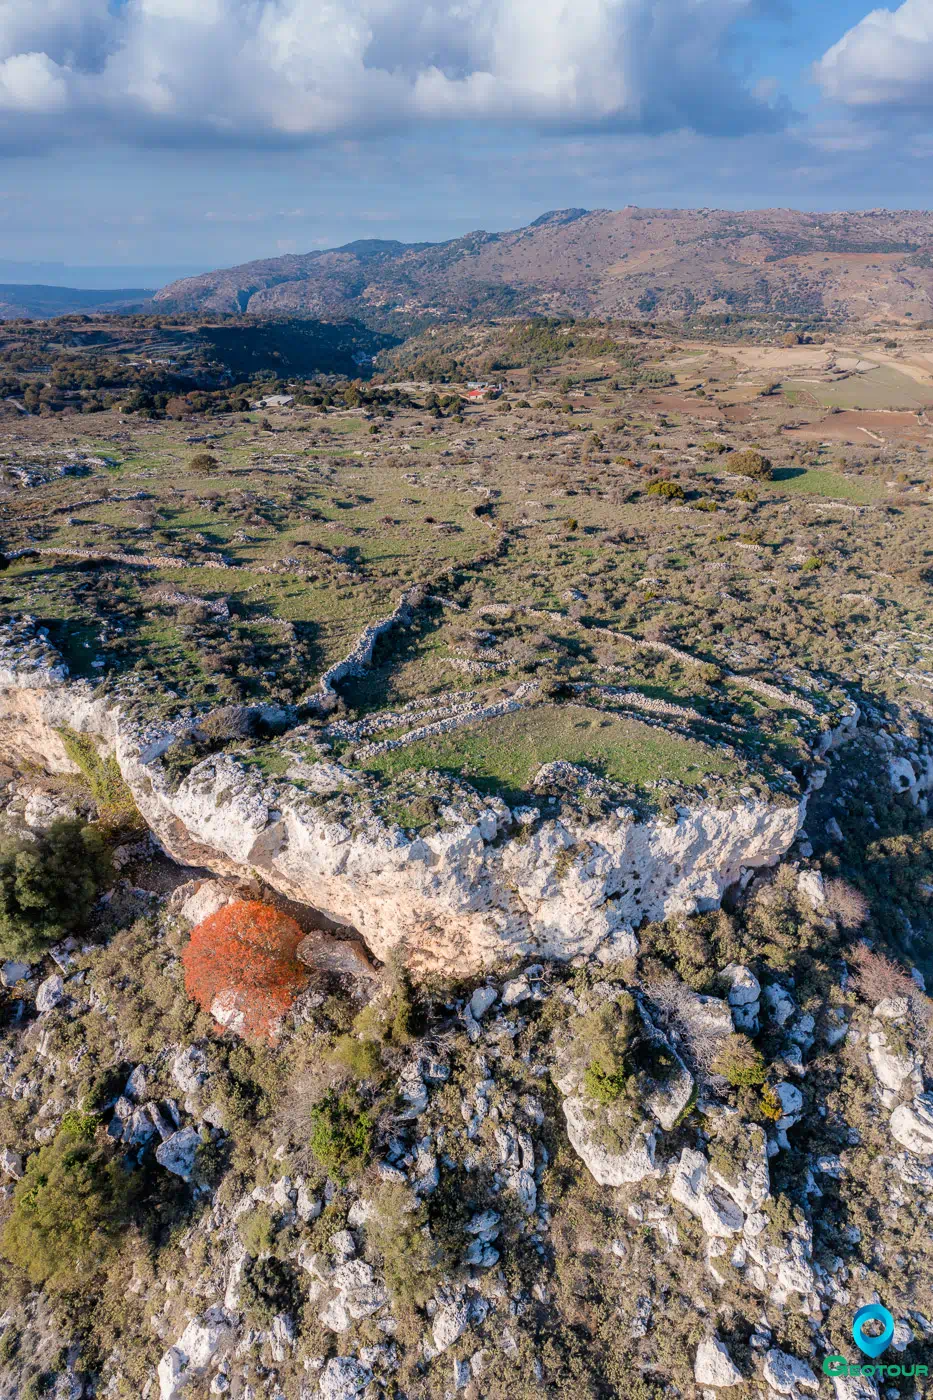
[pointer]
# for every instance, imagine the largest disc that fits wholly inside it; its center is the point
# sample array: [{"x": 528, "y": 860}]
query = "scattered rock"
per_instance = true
[
  {"x": 912, "y": 1125},
  {"x": 51, "y": 993},
  {"x": 785, "y": 1373},
  {"x": 179, "y": 1152},
  {"x": 714, "y": 1366}
]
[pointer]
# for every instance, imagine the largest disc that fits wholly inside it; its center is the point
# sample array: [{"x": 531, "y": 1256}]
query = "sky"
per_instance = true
[{"x": 146, "y": 139}]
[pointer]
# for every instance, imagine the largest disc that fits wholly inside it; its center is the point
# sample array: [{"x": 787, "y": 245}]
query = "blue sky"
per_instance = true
[{"x": 146, "y": 137}]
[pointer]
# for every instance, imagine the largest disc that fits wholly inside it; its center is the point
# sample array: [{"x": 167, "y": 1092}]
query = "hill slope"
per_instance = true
[
  {"x": 39, "y": 303},
  {"x": 633, "y": 262}
]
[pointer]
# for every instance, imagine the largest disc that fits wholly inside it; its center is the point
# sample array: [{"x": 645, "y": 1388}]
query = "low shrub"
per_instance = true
[
  {"x": 48, "y": 886},
  {"x": 740, "y": 1063},
  {"x": 749, "y": 462},
  {"x": 341, "y": 1133},
  {"x": 670, "y": 490},
  {"x": 104, "y": 781}
]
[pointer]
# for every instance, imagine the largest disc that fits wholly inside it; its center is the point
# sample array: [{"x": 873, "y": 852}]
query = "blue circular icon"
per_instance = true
[{"x": 873, "y": 1346}]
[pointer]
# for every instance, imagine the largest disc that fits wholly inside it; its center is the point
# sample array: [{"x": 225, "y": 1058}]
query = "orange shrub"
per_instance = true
[{"x": 241, "y": 967}]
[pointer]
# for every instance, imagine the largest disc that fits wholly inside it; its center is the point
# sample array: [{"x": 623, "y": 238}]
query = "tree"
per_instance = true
[
  {"x": 48, "y": 886},
  {"x": 69, "y": 1207},
  {"x": 241, "y": 967}
]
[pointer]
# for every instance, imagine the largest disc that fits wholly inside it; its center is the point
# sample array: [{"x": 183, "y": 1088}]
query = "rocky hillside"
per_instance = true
[{"x": 640, "y": 263}]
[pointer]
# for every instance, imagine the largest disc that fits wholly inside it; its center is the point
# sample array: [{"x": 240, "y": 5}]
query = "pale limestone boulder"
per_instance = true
[
  {"x": 450, "y": 1323},
  {"x": 51, "y": 993},
  {"x": 912, "y": 1125},
  {"x": 608, "y": 1165},
  {"x": 785, "y": 1373},
  {"x": 692, "y": 1188},
  {"x": 202, "y": 1345},
  {"x": 178, "y": 1153},
  {"x": 343, "y": 1378},
  {"x": 209, "y": 897},
  {"x": 891, "y": 1070},
  {"x": 714, "y": 1366}
]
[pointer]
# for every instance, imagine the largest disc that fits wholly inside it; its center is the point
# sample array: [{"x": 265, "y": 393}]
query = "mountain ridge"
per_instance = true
[{"x": 636, "y": 263}]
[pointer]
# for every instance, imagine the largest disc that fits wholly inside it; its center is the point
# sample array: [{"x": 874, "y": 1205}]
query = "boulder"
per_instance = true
[
  {"x": 190, "y": 1069},
  {"x": 810, "y": 886},
  {"x": 714, "y": 1366},
  {"x": 11, "y": 1163},
  {"x": 780, "y": 1004},
  {"x": 785, "y": 1373},
  {"x": 202, "y": 1344},
  {"x": 744, "y": 996},
  {"x": 13, "y": 972},
  {"x": 912, "y": 1125},
  {"x": 608, "y": 1165},
  {"x": 481, "y": 1001},
  {"x": 177, "y": 1154},
  {"x": 691, "y": 1188},
  {"x": 890, "y": 1069},
  {"x": 791, "y": 1101},
  {"x": 51, "y": 993},
  {"x": 450, "y": 1323},
  {"x": 207, "y": 898},
  {"x": 343, "y": 1378},
  {"x": 855, "y": 1388}
]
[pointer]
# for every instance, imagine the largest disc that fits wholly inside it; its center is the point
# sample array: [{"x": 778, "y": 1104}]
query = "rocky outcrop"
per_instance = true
[{"x": 459, "y": 899}]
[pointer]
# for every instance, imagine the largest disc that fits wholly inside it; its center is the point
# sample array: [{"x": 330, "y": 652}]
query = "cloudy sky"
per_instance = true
[{"x": 141, "y": 137}]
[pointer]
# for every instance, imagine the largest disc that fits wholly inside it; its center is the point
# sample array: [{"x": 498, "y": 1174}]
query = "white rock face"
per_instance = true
[
  {"x": 912, "y": 1125},
  {"x": 714, "y": 1366},
  {"x": 785, "y": 1373},
  {"x": 450, "y": 1323},
  {"x": 343, "y": 1378},
  {"x": 692, "y": 1188},
  {"x": 458, "y": 899},
  {"x": 202, "y": 1344},
  {"x": 608, "y": 1167},
  {"x": 177, "y": 1153},
  {"x": 51, "y": 993},
  {"x": 13, "y": 972}
]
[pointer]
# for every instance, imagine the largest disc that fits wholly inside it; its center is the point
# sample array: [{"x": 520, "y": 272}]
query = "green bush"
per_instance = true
[
  {"x": 341, "y": 1134},
  {"x": 48, "y": 886},
  {"x": 740, "y": 1063},
  {"x": 410, "y": 1258},
  {"x": 270, "y": 1286},
  {"x": 68, "y": 1210},
  {"x": 360, "y": 1058},
  {"x": 604, "y": 1037},
  {"x": 670, "y": 490},
  {"x": 104, "y": 781},
  {"x": 751, "y": 463}
]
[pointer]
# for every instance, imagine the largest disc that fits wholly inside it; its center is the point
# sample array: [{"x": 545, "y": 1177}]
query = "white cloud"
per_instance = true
[
  {"x": 885, "y": 60},
  {"x": 260, "y": 70}
]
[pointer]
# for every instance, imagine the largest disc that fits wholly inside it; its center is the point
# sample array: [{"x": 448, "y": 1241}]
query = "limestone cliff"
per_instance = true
[{"x": 488, "y": 886}]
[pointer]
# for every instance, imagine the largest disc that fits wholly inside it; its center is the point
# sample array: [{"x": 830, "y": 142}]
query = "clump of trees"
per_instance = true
[
  {"x": 241, "y": 966},
  {"x": 70, "y": 1207},
  {"x": 48, "y": 885}
]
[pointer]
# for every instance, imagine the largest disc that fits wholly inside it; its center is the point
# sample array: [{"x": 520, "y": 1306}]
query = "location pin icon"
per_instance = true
[{"x": 872, "y": 1346}]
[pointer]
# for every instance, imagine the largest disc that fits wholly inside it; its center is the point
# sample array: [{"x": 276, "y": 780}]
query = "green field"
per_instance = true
[
  {"x": 877, "y": 389},
  {"x": 503, "y": 755}
]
